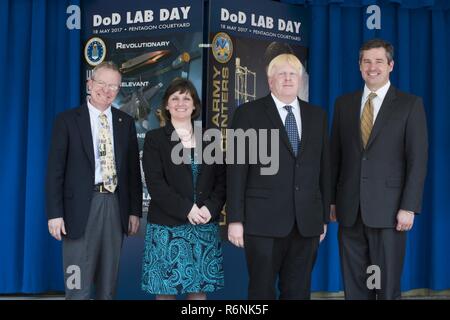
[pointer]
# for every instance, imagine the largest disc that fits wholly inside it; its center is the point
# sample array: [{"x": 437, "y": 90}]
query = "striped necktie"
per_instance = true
[{"x": 367, "y": 119}]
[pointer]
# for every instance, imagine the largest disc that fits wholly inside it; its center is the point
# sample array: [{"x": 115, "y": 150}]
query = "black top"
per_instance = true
[{"x": 171, "y": 185}]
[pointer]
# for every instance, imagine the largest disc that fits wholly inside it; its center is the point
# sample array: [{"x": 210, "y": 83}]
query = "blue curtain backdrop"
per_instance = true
[{"x": 40, "y": 77}]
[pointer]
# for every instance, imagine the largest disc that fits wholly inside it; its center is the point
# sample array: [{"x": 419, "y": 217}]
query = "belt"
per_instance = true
[{"x": 100, "y": 188}]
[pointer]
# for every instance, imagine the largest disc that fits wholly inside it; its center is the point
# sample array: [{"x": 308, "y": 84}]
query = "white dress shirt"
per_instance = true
[{"x": 377, "y": 101}]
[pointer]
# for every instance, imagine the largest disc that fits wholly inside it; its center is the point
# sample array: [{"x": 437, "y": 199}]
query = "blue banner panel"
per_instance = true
[{"x": 152, "y": 42}]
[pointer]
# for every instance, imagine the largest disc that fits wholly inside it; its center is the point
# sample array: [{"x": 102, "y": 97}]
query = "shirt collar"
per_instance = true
[
  {"x": 381, "y": 93},
  {"x": 280, "y": 105},
  {"x": 94, "y": 111}
]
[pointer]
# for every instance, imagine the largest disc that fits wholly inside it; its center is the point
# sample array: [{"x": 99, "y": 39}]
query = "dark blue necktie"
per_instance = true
[{"x": 292, "y": 130}]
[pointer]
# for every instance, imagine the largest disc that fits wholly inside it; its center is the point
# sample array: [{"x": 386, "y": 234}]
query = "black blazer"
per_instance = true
[
  {"x": 171, "y": 186},
  {"x": 268, "y": 205},
  {"x": 389, "y": 175},
  {"x": 71, "y": 169}
]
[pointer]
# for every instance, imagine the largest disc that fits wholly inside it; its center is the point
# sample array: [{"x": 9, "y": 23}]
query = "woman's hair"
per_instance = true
[{"x": 182, "y": 85}]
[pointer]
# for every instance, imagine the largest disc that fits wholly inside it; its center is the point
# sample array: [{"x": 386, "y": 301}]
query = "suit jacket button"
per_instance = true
[
  {"x": 297, "y": 188},
  {"x": 364, "y": 158}
]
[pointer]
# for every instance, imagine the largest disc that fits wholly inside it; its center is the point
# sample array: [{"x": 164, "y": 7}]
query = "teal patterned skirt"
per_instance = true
[{"x": 182, "y": 259}]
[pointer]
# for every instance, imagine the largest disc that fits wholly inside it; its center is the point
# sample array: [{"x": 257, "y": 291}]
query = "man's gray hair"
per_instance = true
[{"x": 105, "y": 65}]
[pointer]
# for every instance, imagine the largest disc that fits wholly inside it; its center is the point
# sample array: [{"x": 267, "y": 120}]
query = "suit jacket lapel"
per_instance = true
[
  {"x": 274, "y": 116},
  {"x": 119, "y": 134},
  {"x": 169, "y": 129},
  {"x": 306, "y": 122},
  {"x": 84, "y": 126},
  {"x": 355, "y": 119},
  {"x": 383, "y": 115}
]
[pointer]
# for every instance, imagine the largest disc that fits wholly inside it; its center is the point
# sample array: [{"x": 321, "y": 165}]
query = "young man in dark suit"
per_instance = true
[
  {"x": 379, "y": 160},
  {"x": 94, "y": 189},
  {"x": 279, "y": 217}
]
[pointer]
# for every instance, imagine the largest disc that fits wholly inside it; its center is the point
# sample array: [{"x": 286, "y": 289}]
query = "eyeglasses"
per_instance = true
[{"x": 102, "y": 84}]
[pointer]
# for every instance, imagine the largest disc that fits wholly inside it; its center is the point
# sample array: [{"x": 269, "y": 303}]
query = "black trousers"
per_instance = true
[
  {"x": 291, "y": 259},
  {"x": 360, "y": 247}
]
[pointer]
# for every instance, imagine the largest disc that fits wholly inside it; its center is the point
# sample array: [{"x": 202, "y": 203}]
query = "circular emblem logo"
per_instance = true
[
  {"x": 94, "y": 51},
  {"x": 222, "y": 47}
]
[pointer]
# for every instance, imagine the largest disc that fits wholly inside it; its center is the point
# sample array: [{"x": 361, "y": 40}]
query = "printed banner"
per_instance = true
[
  {"x": 245, "y": 36},
  {"x": 152, "y": 43}
]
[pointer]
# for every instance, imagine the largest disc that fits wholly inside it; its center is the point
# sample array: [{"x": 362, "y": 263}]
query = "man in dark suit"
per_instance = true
[
  {"x": 94, "y": 189},
  {"x": 280, "y": 217},
  {"x": 379, "y": 159}
]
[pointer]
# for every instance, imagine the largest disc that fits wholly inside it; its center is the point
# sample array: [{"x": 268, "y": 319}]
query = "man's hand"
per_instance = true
[
  {"x": 236, "y": 234},
  {"x": 323, "y": 235},
  {"x": 405, "y": 220},
  {"x": 333, "y": 213},
  {"x": 195, "y": 216},
  {"x": 55, "y": 227},
  {"x": 133, "y": 225}
]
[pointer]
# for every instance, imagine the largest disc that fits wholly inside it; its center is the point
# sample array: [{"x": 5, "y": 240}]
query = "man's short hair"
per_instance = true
[
  {"x": 285, "y": 58},
  {"x": 105, "y": 65},
  {"x": 378, "y": 43}
]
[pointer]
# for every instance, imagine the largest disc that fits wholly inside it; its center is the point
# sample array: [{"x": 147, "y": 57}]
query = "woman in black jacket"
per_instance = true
[{"x": 183, "y": 253}]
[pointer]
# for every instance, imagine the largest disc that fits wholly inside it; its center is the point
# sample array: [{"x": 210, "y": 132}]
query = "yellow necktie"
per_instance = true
[
  {"x": 367, "y": 119},
  {"x": 106, "y": 155}
]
